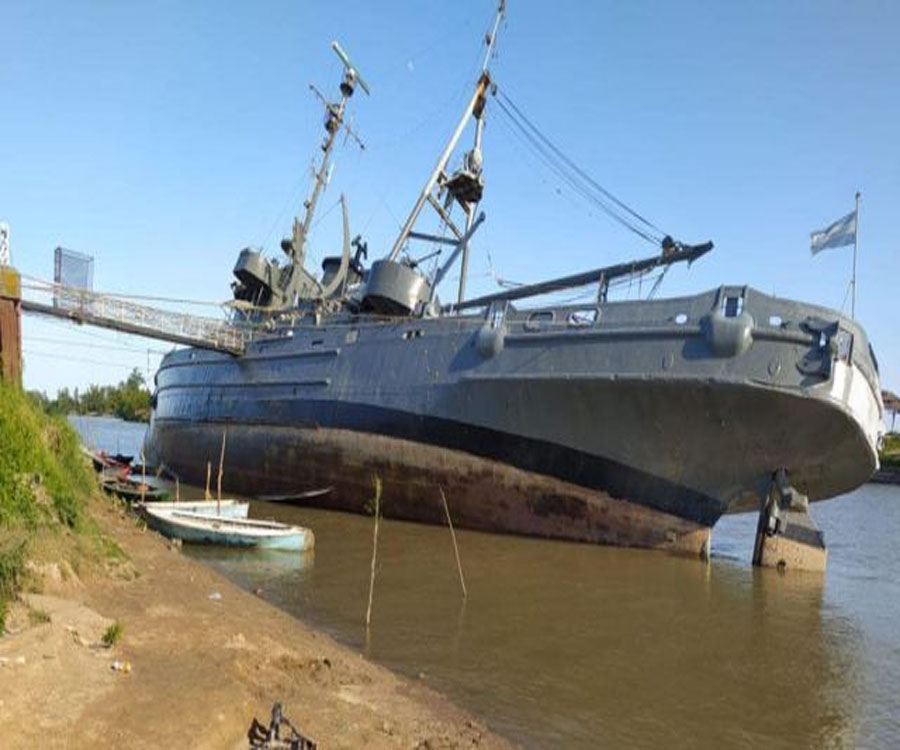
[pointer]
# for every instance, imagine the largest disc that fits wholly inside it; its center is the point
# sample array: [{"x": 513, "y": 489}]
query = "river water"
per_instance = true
[{"x": 568, "y": 645}]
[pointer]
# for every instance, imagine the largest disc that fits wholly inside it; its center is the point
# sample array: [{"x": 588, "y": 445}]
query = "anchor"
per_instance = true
[{"x": 786, "y": 537}]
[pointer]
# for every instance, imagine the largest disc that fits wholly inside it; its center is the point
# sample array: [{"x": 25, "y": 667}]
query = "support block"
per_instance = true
[{"x": 790, "y": 541}]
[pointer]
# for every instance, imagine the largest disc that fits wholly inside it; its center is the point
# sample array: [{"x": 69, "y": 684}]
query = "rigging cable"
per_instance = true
[
  {"x": 575, "y": 177},
  {"x": 584, "y": 175},
  {"x": 92, "y": 345},
  {"x": 658, "y": 282},
  {"x": 568, "y": 179},
  {"x": 81, "y": 360}
]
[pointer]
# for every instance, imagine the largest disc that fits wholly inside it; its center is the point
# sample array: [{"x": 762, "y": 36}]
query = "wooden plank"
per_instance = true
[{"x": 10, "y": 326}]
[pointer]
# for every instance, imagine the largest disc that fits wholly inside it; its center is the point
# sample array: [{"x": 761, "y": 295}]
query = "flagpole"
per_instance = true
[{"x": 855, "y": 248}]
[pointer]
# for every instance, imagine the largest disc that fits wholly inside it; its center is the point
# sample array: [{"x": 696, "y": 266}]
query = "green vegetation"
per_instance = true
[
  {"x": 45, "y": 485},
  {"x": 113, "y": 634},
  {"x": 12, "y": 563},
  {"x": 44, "y": 479},
  {"x": 128, "y": 400},
  {"x": 37, "y": 616},
  {"x": 890, "y": 453}
]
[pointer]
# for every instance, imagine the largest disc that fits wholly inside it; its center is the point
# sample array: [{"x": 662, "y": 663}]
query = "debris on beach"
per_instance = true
[{"x": 269, "y": 738}]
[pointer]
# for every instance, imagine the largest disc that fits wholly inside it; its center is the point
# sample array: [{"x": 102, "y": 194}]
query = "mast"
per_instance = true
[
  {"x": 470, "y": 216},
  {"x": 855, "y": 248},
  {"x": 334, "y": 121},
  {"x": 438, "y": 176},
  {"x": 476, "y": 150}
]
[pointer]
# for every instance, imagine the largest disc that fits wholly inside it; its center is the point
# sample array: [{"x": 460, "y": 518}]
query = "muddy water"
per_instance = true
[{"x": 571, "y": 645}]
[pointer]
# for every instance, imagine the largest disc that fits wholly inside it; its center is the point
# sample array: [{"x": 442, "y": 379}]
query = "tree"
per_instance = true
[{"x": 129, "y": 400}]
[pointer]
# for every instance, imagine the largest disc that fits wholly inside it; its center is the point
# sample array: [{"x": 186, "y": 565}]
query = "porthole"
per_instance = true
[{"x": 539, "y": 320}]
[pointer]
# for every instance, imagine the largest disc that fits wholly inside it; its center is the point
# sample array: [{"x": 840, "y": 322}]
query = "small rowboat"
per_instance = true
[
  {"x": 131, "y": 491},
  {"x": 142, "y": 470},
  {"x": 103, "y": 462},
  {"x": 295, "y": 497},
  {"x": 201, "y": 528},
  {"x": 227, "y": 508}
]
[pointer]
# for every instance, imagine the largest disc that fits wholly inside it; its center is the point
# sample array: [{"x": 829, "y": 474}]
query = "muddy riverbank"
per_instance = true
[{"x": 203, "y": 657}]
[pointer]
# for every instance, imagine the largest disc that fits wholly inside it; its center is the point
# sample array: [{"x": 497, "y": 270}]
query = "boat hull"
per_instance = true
[
  {"x": 224, "y": 531},
  {"x": 482, "y": 494}
]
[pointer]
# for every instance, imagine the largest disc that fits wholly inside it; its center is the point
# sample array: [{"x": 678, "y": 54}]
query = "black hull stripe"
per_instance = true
[{"x": 618, "y": 480}]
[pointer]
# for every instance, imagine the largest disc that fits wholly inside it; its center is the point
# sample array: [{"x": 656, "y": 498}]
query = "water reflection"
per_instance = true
[
  {"x": 581, "y": 646},
  {"x": 259, "y": 568}
]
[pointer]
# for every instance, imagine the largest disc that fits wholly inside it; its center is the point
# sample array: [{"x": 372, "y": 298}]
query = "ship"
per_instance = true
[{"x": 636, "y": 423}]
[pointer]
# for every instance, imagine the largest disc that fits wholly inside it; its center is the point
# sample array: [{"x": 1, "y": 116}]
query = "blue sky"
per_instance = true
[{"x": 163, "y": 137}]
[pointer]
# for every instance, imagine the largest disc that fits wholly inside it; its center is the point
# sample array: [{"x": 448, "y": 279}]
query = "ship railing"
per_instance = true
[{"x": 118, "y": 312}]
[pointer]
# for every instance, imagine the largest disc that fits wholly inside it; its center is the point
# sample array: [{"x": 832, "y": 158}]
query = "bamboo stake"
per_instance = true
[
  {"x": 143, "y": 477},
  {"x": 208, "y": 495},
  {"x": 462, "y": 580},
  {"x": 374, "y": 550},
  {"x": 219, "y": 480}
]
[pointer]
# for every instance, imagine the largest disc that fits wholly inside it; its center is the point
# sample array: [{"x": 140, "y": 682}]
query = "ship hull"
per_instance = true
[
  {"x": 640, "y": 435},
  {"x": 336, "y": 469}
]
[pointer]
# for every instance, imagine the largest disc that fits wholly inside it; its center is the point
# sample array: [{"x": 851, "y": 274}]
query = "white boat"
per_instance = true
[
  {"x": 228, "y": 508},
  {"x": 203, "y": 528}
]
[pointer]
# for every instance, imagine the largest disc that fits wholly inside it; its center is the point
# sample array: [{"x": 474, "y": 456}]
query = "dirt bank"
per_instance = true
[{"x": 205, "y": 657}]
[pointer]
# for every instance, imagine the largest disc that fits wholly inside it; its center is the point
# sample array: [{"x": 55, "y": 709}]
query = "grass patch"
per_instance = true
[
  {"x": 46, "y": 485},
  {"x": 109, "y": 549},
  {"x": 12, "y": 573},
  {"x": 44, "y": 479},
  {"x": 113, "y": 634},
  {"x": 37, "y": 616},
  {"x": 890, "y": 451}
]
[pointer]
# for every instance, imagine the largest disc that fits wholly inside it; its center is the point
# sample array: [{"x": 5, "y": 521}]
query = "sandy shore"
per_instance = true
[{"x": 201, "y": 668}]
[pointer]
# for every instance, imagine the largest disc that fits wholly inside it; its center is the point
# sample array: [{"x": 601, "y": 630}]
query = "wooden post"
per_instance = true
[
  {"x": 462, "y": 580},
  {"x": 207, "y": 495},
  {"x": 374, "y": 550},
  {"x": 10, "y": 325},
  {"x": 219, "y": 480}
]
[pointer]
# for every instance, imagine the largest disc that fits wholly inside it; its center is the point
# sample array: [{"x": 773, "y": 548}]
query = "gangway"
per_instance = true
[{"x": 120, "y": 314}]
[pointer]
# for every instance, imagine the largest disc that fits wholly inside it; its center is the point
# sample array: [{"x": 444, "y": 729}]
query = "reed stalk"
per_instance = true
[
  {"x": 219, "y": 480},
  {"x": 462, "y": 580},
  {"x": 374, "y": 550}
]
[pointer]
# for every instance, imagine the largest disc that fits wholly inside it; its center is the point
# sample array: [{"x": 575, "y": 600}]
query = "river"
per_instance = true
[{"x": 580, "y": 646}]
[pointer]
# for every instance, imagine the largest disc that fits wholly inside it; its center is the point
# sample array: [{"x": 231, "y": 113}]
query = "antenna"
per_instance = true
[
  {"x": 295, "y": 246},
  {"x": 351, "y": 68}
]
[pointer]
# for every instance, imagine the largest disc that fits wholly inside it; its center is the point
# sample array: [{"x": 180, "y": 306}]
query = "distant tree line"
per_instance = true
[
  {"x": 128, "y": 400},
  {"x": 890, "y": 452}
]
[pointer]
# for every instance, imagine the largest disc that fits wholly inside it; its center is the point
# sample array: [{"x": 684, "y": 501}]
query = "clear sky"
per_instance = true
[{"x": 162, "y": 137}]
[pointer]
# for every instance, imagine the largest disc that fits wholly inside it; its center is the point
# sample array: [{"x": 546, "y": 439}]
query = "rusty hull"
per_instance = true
[{"x": 483, "y": 494}]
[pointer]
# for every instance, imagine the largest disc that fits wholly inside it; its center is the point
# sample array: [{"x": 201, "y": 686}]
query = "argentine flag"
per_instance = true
[{"x": 842, "y": 232}]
